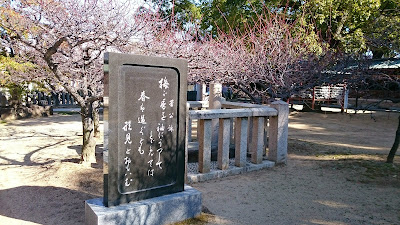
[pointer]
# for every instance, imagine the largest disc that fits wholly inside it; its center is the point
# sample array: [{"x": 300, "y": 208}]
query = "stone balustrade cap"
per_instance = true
[
  {"x": 239, "y": 105},
  {"x": 229, "y": 113},
  {"x": 198, "y": 104}
]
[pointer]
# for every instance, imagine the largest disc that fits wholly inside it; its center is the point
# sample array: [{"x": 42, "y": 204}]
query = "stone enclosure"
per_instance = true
[{"x": 244, "y": 137}]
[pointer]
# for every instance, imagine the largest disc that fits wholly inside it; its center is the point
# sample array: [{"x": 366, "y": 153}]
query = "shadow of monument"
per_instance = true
[{"x": 44, "y": 205}]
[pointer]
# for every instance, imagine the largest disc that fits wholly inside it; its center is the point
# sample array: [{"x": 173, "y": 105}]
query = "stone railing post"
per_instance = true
[
  {"x": 215, "y": 96},
  {"x": 199, "y": 92},
  {"x": 278, "y": 133},
  {"x": 257, "y": 140},
  {"x": 223, "y": 143},
  {"x": 204, "y": 131},
  {"x": 241, "y": 124},
  {"x": 214, "y": 101}
]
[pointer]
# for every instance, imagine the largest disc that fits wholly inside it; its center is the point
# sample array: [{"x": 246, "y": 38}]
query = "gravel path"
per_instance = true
[{"x": 328, "y": 178}]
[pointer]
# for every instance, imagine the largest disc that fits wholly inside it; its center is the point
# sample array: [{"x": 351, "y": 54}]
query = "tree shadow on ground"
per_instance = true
[
  {"x": 37, "y": 121},
  {"x": 27, "y": 158},
  {"x": 44, "y": 205}
]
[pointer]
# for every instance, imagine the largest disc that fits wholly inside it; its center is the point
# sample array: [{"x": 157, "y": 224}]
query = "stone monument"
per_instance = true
[{"x": 144, "y": 123}]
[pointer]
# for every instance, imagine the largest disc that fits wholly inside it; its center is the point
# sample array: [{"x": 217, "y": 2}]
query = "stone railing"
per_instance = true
[{"x": 250, "y": 124}]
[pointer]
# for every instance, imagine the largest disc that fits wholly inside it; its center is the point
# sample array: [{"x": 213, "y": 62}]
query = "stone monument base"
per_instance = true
[{"x": 159, "y": 210}]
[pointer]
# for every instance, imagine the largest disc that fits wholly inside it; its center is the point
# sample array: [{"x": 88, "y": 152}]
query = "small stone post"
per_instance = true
[
  {"x": 204, "y": 131},
  {"x": 278, "y": 133},
  {"x": 249, "y": 134},
  {"x": 215, "y": 103},
  {"x": 223, "y": 143},
  {"x": 203, "y": 92},
  {"x": 215, "y": 96},
  {"x": 199, "y": 91},
  {"x": 241, "y": 141},
  {"x": 257, "y": 140}
]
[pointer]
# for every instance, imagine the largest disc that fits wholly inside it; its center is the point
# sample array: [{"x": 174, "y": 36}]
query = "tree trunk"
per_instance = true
[
  {"x": 89, "y": 143},
  {"x": 242, "y": 88},
  {"x": 395, "y": 146},
  {"x": 96, "y": 118}
]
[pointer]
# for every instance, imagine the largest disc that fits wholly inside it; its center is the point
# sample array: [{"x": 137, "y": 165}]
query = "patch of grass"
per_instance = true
[
  {"x": 361, "y": 168},
  {"x": 380, "y": 169},
  {"x": 3, "y": 122},
  {"x": 369, "y": 171},
  {"x": 205, "y": 216},
  {"x": 67, "y": 113},
  {"x": 334, "y": 154},
  {"x": 199, "y": 220},
  {"x": 303, "y": 147}
]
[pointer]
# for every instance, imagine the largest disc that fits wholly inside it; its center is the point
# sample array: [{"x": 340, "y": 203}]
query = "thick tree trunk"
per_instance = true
[
  {"x": 395, "y": 146},
  {"x": 96, "y": 118},
  {"x": 89, "y": 143},
  {"x": 242, "y": 88}
]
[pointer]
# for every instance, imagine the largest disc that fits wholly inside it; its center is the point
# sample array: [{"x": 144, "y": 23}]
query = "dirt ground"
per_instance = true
[{"x": 335, "y": 175}]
